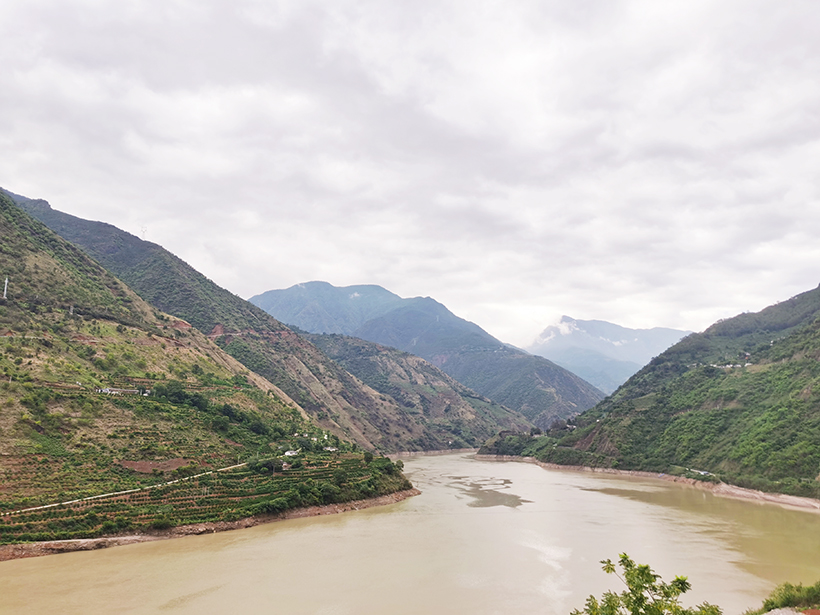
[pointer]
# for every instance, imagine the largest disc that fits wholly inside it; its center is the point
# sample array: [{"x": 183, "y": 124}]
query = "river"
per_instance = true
[{"x": 483, "y": 538}]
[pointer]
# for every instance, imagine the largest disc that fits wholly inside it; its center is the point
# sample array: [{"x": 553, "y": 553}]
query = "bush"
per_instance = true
[
  {"x": 788, "y": 595},
  {"x": 161, "y": 523},
  {"x": 646, "y": 594}
]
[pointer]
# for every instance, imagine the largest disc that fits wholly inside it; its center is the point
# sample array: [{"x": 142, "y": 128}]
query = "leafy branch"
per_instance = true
[{"x": 646, "y": 593}]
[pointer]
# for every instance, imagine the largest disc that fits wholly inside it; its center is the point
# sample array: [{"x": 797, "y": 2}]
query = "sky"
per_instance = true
[{"x": 641, "y": 162}]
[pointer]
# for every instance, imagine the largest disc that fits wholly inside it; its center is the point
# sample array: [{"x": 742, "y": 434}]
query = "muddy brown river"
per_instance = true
[{"x": 483, "y": 538}]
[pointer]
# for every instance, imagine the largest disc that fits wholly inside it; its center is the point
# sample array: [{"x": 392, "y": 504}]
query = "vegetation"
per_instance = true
[
  {"x": 438, "y": 411},
  {"x": 262, "y": 486},
  {"x": 528, "y": 384},
  {"x": 338, "y": 401},
  {"x": 791, "y": 596},
  {"x": 646, "y": 594},
  {"x": 751, "y": 418},
  {"x": 102, "y": 394}
]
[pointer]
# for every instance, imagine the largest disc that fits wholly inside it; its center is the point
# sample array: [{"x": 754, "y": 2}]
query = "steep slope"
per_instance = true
[
  {"x": 441, "y": 412},
  {"x": 600, "y": 352},
  {"x": 531, "y": 385},
  {"x": 337, "y": 400},
  {"x": 740, "y": 401},
  {"x": 102, "y": 393}
]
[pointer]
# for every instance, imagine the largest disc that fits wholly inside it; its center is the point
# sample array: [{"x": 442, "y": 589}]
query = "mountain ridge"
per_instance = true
[
  {"x": 536, "y": 387},
  {"x": 336, "y": 399},
  {"x": 115, "y": 415}
]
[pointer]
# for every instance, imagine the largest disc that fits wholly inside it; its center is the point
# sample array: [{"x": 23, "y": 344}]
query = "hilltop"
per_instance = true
[
  {"x": 336, "y": 400},
  {"x": 102, "y": 393},
  {"x": 536, "y": 387},
  {"x": 739, "y": 402}
]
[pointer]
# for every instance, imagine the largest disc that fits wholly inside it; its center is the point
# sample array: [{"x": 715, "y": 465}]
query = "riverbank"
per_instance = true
[
  {"x": 37, "y": 549},
  {"x": 719, "y": 489},
  {"x": 446, "y": 451}
]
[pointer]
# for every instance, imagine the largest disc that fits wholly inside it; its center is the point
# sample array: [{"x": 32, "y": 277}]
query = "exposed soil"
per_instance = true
[
  {"x": 448, "y": 451},
  {"x": 36, "y": 549}
]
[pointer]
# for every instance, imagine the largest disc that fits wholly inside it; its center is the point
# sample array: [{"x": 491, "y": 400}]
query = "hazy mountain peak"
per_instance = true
[{"x": 601, "y": 352}]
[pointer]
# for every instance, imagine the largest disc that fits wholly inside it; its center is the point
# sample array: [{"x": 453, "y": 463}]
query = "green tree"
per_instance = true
[{"x": 646, "y": 594}]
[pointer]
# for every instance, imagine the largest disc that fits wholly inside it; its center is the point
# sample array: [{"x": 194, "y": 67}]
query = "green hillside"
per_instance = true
[
  {"x": 160, "y": 278},
  {"x": 100, "y": 393},
  {"x": 338, "y": 401},
  {"x": 441, "y": 412},
  {"x": 536, "y": 387},
  {"x": 739, "y": 402}
]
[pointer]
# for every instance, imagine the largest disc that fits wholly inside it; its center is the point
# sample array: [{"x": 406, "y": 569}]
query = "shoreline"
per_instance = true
[
  {"x": 52, "y": 547},
  {"x": 445, "y": 451},
  {"x": 725, "y": 490}
]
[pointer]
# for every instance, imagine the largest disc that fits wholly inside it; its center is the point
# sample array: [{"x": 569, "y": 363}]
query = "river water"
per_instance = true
[{"x": 483, "y": 538}]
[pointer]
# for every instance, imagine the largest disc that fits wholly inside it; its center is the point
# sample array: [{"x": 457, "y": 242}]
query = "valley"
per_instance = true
[
  {"x": 481, "y": 538},
  {"x": 156, "y": 404}
]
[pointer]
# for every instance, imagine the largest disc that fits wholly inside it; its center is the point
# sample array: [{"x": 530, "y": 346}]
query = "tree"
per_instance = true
[{"x": 646, "y": 594}]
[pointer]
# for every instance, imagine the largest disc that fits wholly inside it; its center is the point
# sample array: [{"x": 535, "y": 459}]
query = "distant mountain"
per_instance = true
[
  {"x": 443, "y": 412},
  {"x": 336, "y": 399},
  {"x": 602, "y": 353},
  {"x": 319, "y": 307},
  {"x": 537, "y": 388},
  {"x": 740, "y": 402}
]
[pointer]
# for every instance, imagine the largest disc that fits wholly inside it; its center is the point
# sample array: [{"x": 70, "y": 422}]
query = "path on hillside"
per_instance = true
[{"x": 113, "y": 493}]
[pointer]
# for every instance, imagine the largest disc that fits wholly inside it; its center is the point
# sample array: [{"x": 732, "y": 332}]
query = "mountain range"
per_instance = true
[
  {"x": 739, "y": 402},
  {"x": 337, "y": 400},
  {"x": 602, "y": 353},
  {"x": 536, "y": 387},
  {"x": 116, "y": 415}
]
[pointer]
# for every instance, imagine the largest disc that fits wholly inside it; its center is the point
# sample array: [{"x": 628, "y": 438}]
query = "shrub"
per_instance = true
[{"x": 646, "y": 594}]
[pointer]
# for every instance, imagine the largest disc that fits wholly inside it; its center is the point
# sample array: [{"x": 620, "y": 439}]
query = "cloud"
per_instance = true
[{"x": 651, "y": 164}]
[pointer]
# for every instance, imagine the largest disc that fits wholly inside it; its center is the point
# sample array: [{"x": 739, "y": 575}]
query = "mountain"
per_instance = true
[
  {"x": 444, "y": 412},
  {"x": 740, "y": 401},
  {"x": 531, "y": 385},
  {"x": 337, "y": 400},
  {"x": 104, "y": 394},
  {"x": 600, "y": 352},
  {"x": 319, "y": 307}
]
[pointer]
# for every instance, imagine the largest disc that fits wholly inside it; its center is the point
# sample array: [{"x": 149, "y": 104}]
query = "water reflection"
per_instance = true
[{"x": 487, "y": 492}]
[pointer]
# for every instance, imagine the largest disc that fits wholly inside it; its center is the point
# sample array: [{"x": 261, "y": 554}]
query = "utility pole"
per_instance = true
[{"x": 6, "y": 287}]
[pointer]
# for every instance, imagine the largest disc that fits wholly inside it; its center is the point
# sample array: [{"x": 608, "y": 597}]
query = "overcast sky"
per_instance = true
[{"x": 642, "y": 162}]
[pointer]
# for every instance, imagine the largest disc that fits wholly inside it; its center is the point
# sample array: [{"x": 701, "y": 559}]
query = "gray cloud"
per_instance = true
[{"x": 640, "y": 162}]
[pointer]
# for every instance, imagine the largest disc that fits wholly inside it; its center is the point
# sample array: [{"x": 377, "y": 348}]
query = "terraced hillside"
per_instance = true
[{"x": 100, "y": 392}]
